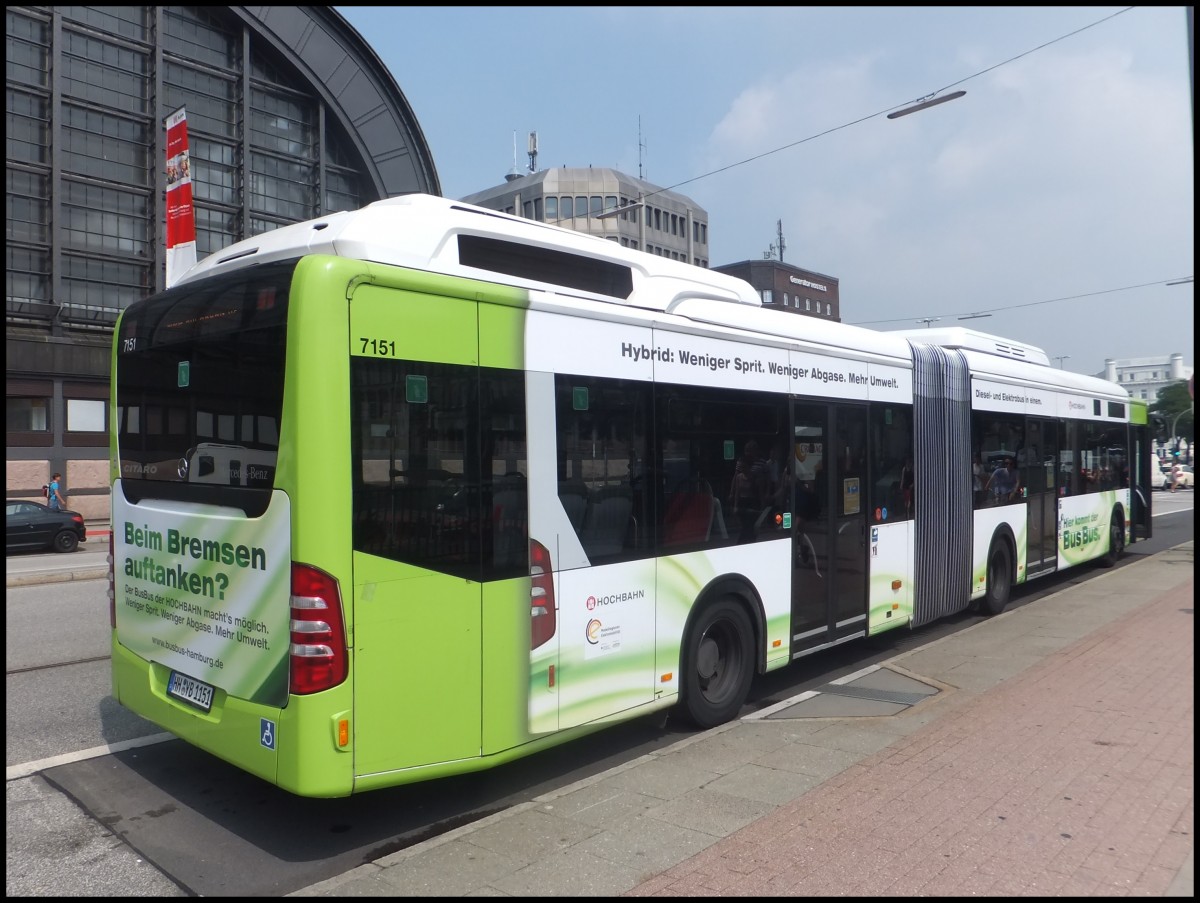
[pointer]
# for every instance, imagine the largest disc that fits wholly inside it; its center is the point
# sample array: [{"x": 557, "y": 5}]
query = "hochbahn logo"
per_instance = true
[{"x": 614, "y": 598}]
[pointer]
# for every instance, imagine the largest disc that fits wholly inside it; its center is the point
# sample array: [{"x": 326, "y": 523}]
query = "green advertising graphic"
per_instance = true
[
  {"x": 1083, "y": 531},
  {"x": 206, "y": 593}
]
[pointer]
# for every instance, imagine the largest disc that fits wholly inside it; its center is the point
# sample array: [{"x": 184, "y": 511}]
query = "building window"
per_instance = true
[
  {"x": 704, "y": 233},
  {"x": 828, "y": 309},
  {"x": 527, "y": 210},
  {"x": 581, "y": 206},
  {"x": 610, "y": 202},
  {"x": 767, "y": 296},
  {"x": 657, "y": 219},
  {"x": 552, "y": 209},
  {"x": 537, "y": 209},
  {"x": 597, "y": 205},
  {"x": 85, "y": 415},
  {"x": 568, "y": 208},
  {"x": 28, "y": 415}
]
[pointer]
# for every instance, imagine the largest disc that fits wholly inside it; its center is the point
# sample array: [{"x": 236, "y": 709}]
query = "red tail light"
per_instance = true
[
  {"x": 319, "y": 658},
  {"x": 77, "y": 518},
  {"x": 542, "y": 616},
  {"x": 112, "y": 585}
]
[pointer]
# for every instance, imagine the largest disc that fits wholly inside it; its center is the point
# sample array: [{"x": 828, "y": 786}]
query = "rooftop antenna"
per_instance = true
[
  {"x": 641, "y": 147},
  {"x": 776, "y": 246},
  {"x": 515, "y": 172},
  {"x": 533, "y": 151}
]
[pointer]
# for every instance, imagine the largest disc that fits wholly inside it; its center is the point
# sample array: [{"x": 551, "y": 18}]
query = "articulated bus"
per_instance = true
[{"x": 419, "y": 489}]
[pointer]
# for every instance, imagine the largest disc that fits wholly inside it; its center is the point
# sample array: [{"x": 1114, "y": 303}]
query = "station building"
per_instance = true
[{"x": 290, "y": 115}]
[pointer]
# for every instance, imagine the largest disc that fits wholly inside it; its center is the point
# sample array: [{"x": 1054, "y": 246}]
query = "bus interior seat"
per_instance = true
[
  {"x": 606, "y": 524},
  {"x": 689, "y": 516}
]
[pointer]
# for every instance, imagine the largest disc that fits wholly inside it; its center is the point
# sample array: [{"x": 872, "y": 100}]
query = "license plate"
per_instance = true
[{"x": 190, "y": 691}]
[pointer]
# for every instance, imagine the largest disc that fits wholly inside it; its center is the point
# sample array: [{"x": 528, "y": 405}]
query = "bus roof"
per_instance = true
[{"x": 421, "y": 231}]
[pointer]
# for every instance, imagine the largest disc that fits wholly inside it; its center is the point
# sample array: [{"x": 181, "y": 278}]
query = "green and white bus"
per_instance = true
[{"x": 419, "y": 489}]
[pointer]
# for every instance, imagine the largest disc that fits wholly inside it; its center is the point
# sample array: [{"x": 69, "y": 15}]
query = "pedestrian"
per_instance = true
[
  {"x": 57, "y": 496},
  {"x": 1176, "y": 471},
  {"x": 1003, "y": 482},
  {"x": 749, "y": 490}
]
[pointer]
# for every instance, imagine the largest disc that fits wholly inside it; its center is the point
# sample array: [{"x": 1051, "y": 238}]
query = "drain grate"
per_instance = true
[{"x": 875, "y": 693}]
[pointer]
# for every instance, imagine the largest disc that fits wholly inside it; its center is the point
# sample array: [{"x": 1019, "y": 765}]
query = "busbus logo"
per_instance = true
[{"x": 593, "y": 631}]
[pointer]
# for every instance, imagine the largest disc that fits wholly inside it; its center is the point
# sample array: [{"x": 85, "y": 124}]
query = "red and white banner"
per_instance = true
[{"x": 181, "y": 216}]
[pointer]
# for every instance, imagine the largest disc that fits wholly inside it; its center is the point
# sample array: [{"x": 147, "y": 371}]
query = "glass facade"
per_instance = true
[
  {"x": 108, "y": 129},
  {"x": 88, "y": 90}
]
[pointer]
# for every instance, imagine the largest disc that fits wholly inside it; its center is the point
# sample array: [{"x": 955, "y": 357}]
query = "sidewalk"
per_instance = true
[{"x": 1048, "y": 751}]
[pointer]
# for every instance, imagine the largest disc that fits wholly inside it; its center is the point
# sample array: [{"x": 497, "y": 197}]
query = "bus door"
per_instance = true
[
  {"x": 1039, "y": 472},
  {"x": 829, "y": 528},
  {"x": 417, "y": 598}
]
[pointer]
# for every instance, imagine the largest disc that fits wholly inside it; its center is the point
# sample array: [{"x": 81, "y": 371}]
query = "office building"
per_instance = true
[{"x": 606, "y": 203}]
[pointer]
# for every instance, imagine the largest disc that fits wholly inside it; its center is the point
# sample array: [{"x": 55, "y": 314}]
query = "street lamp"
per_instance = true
[
  {"x": 925, "y": 104},
  {"x": 928, "y": 320},
  {"x": 1060, "y": 358}
]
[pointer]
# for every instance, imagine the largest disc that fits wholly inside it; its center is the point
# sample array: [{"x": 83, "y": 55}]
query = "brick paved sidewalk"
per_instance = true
[{"x": 1074, "y": 778}]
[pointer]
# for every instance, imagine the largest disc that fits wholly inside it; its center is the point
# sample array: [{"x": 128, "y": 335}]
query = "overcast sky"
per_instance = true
[{"x": 1058, "y": 194}]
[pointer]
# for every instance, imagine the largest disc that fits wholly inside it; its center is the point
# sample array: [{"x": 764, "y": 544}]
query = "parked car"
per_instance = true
[
  {"x": 32, "y": 526},
  {"x": 1185, "y": 477}
]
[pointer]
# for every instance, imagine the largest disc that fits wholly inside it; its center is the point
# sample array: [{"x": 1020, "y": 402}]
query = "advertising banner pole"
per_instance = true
[{"x": 181, "y": 217}]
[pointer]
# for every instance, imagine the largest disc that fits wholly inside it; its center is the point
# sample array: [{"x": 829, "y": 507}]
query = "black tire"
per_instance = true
[
  {"x": 1116, "y": 543},
  {"x": 718, "y": 664},
  {"x": 66, "y": 541},
  {"x": 999, "y": 578}
]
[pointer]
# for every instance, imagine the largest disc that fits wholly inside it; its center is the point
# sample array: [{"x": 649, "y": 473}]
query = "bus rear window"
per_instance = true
[{"x": 199, "y": 386}]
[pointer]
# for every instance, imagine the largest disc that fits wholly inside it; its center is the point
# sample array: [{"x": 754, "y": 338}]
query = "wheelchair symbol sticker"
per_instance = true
[{"x": 266, "y": 730}]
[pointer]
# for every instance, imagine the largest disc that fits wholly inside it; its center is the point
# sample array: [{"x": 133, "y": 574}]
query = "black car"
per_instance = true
[{"x": 29, "y": 525}]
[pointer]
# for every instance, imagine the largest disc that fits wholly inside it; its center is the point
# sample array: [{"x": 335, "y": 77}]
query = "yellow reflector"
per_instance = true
[
  {"x": 666, "y": 677},
  {"x": 895, "y": 584},
  {"x": 895, "y": 605},
  {"x": 550, "y": 676},
  {"x": 775, "y": 644},
  {"x": 343, "y": 732}
]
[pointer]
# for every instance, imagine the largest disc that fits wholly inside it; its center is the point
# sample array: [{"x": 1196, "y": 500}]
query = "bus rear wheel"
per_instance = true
[
  {"x": 999, "y": 578},
  {"x": 718, "y": 664},
  {"x": 1116, "y": 543}
]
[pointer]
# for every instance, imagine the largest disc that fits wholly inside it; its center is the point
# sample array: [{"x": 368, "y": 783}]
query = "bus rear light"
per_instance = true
[
  {"x": 542, "y": 615},
  {"x": 319, "y": 657}
]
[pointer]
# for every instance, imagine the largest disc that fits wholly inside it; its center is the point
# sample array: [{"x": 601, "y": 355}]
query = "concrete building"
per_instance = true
[
  {"x": 1145, "y": 377},
  {"x": 606, "y": 203},
  {"x": 290, "y": 115}
]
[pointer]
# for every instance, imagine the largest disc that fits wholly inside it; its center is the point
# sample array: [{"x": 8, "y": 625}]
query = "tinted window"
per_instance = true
[
  {"x": 440, "y": 465},
  {"x": 200, "y": 377},
  {"x": 546, "y": 265},
  {"x": 602, "y": 464}
]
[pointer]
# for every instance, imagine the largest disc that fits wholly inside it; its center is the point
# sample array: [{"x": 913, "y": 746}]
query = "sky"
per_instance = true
[{"x": 1056, "y": 195}]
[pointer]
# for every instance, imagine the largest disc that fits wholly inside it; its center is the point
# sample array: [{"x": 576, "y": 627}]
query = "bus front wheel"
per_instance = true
[
  {"x": 718, "y": 664},
  {"x": 999, "y": 578}
]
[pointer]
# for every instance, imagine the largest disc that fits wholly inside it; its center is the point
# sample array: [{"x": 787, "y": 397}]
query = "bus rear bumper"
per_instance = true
[{"x": 294, "y": 748}]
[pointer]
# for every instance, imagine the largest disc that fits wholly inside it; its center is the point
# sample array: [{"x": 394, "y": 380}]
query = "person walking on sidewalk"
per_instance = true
[
  {"x": 1176, "y": 472},
  {"x": 57, "y": 500}
]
